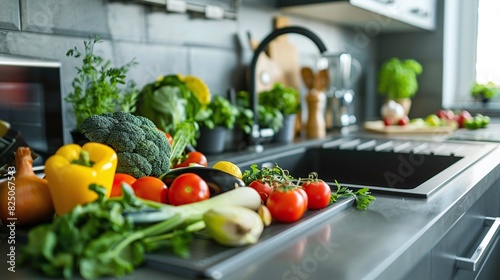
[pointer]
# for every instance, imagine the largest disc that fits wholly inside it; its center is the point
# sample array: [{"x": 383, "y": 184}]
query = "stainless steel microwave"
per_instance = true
[{"x": 30, "y": 100}]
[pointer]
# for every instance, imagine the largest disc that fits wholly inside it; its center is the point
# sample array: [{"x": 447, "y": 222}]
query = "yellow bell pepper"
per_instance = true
[{"x": 69, "y": 181}]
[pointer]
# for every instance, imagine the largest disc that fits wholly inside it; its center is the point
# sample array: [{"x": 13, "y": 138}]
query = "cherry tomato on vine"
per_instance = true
[
  {"x": 120, "y": 178},
  {"x": 151, "y": 188},
  {"x": 318, "y": 194},
  {"x": 188, "y": 188},
  {"x": 304, "y": 195},
  {"x": 286, "y": 206},
  {"x": 194, "y": 157},
  {"x": 262, "y": 188}
]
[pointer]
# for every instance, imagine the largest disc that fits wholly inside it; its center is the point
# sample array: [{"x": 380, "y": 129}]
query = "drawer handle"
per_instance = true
[
  {"x": 420, "y": 12},
  {"x": 472, "y": 263},
  {"x": 386, "y": 2}
]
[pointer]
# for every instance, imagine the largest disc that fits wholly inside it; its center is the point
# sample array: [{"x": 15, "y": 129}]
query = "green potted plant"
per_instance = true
[
  {"x": 269, "y": 116},
  {"x": 397, "y": 80},
  {"x": 484, "y": 92},
  {"x": 98, "y": 88},
  {"x": 286, "y": 101},
  {"x": 214, "y": 121}
]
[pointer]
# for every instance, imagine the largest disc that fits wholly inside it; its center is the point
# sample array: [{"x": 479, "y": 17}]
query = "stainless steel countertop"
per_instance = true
[{"x": 383, "y": 242}]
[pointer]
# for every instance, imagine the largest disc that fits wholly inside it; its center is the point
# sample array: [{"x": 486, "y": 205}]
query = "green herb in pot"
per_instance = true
[
  {"x": 285, "y": 99},
  {"x": 219, "y": 112},
  {"x": 269, "y": 116},
  {"x": 398, "y": 78},
  {"x": 97, "y": 87}
]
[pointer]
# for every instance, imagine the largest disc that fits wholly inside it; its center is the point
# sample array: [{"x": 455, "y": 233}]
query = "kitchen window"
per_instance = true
[
  {"x": 471, "y": 54},
  {"x": 488, "y": 39}
]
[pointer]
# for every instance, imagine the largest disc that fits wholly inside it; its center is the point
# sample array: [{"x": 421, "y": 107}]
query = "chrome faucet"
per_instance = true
[{"x": 256, "y": 134}]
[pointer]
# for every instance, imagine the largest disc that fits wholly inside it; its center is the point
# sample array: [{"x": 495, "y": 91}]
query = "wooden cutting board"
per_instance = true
[
  {"x": 285, "y": 55},
  {"x": 267, "y": 71},
  {"x": 378, "y": 126}
]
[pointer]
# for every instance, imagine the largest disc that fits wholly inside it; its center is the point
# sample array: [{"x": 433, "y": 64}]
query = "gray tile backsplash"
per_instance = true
[
  {"x": 162, "y": 43},
  {"x": 153, "y": 60},
  {"x": 65, "y": 17},
  {"x": 127, "y": 21},
  {"x": 9, "y": 15},
  {"x": 220, "y": 66}
]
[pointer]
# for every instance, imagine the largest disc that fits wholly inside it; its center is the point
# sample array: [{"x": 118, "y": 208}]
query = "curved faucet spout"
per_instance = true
[{"x": 255, "y": 134}]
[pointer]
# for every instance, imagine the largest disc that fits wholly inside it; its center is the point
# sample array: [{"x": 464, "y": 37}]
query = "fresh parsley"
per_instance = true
[
  {"x": 99, "y": 88},
  {"x": 362, "y": 196}
]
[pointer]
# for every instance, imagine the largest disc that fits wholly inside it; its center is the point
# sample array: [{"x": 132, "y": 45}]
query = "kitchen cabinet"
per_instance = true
[
  {"x": 461, "y": 240},
  {"x": 368, "y": 16}
]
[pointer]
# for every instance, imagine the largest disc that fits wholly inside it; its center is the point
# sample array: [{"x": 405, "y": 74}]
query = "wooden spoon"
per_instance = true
[
  {"x": 307, "y": 77},
  {"x": 321, "y": 80}
]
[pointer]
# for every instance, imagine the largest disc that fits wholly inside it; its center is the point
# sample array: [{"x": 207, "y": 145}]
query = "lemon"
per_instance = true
[
  {"x": 228, "y": 167},
  {"x": 198, "y": 87}
]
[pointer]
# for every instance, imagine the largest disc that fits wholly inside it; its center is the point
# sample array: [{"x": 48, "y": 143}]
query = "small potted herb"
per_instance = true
[
  {"x": 484, "y": 92},
  {"x": 269, "y": 116},
  {"x": 397, "y": 80},
  {"x": 286, "y": 101},
  {"x": 215, "y": 120},
  {"x": 99, "y": 88}
]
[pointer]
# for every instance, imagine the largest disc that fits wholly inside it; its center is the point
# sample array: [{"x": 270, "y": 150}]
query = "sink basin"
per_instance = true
[{"x": 409, "y": 168}]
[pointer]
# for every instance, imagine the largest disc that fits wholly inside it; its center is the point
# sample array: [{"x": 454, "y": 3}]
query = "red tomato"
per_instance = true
[
  {"x": 188, "y": 188},
  {"x": 151, "y": 188},
  {"x": 117, "y": 183},
  {"x": 286, "y": 206},
  {"x": 462, "y": 117},
  {"x": 388, "y": 121},
  {"x": 194, "y": 157},
  {"x": 304, "y": 195},
  {"x": 446, "y": 114},
  {"x": 404, "y": 121},
  {"x": 442, "y": 114},
  {"x": 262, "y": 188},
  {"x": 169, "y": 137},
  {"x": 318, "y": 194}
]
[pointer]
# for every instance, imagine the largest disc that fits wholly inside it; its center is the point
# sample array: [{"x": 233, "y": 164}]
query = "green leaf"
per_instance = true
[
  {"x": 95, "y": 87},
  {"x": 219, "y": 112},
  {"x": 284, "y": 99}
]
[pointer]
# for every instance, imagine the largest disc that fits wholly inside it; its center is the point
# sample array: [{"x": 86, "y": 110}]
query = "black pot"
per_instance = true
[
  {"x": 211, "y": 141},
  {"x": 286, "y": 134}
]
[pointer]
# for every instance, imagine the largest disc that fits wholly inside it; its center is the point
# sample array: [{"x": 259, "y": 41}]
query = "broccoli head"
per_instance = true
[{"x": 142, "y": 149}]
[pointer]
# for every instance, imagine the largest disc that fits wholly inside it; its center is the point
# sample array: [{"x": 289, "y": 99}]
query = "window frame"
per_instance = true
[{"x": 459, "y": 66}]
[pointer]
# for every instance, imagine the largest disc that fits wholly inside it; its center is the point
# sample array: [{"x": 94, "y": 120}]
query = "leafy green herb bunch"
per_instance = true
[
  {"x": 285, "y": 99},
  {"x": 269, "y": 116},
  {"x": 219, "y": 112},
  {"x": 99, "y": 88},
  {"x": 397, "y": 78}
]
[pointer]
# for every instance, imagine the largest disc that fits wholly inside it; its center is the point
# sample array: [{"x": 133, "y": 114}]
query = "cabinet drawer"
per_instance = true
[
  {"x": 463, "y": 238},
  {"x": 420, "y": 13},
  {"x": 382, "y": 15}
]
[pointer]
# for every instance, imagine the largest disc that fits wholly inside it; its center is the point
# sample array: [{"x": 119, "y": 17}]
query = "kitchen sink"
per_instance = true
[{"x": 392, "y": 166}]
